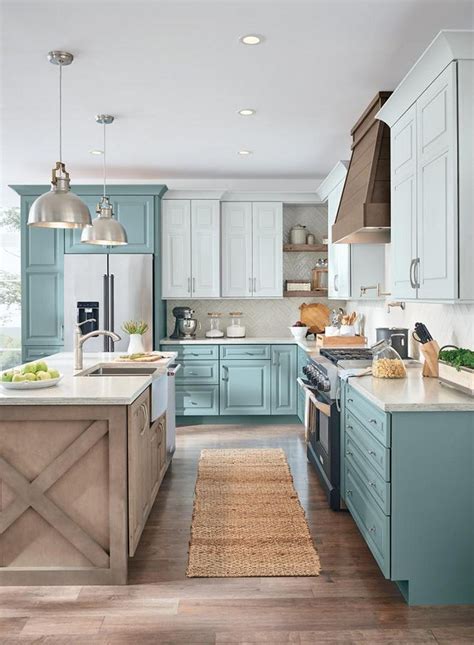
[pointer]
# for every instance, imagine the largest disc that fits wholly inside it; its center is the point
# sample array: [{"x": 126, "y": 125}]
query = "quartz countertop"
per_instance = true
[
  {"x": 86, "y": 390},
  {"x": 412, "y": 394},
  {"x": 307, "y": 345}
]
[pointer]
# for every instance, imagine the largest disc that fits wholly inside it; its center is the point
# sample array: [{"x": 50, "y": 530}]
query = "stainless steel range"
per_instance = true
[{"x": 322, "y": 415}]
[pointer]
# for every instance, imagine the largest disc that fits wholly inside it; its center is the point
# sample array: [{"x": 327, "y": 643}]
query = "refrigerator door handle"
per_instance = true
[
  {"x": 112, "y": 310},
  {"x": 106, "y": 310}
]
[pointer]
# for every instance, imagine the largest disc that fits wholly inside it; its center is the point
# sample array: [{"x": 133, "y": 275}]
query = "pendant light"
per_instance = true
[
  {"x": 105, "y": 230},
  {"x": 60, "y": 208}
]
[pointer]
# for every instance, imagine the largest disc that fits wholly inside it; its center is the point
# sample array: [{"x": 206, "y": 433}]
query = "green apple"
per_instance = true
[
  {"x": 29, "y": 376},
  {"x": 53, "y": 373},
  {"x": 41, "y": 366},
  {"x": 42, "y": 375},
  {"x": 7, "y": 377},
  {"x": 18, "y": 378},
  {"x": 30, "y": 368}
]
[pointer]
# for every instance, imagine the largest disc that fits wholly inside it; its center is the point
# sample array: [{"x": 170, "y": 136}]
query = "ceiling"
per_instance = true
[{"x": 175, "y": 74}]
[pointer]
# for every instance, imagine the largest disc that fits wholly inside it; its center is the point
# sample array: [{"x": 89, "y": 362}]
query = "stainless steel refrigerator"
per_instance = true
[{"x": 112, "y": 289}]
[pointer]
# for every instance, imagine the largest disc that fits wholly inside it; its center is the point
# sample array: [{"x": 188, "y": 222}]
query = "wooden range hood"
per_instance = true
[{"x": 364, "y": 210}]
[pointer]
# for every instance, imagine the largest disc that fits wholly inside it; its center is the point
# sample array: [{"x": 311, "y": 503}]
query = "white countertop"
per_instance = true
[
  {"x": 307, "y": 345},
  {"x": 412, "y": 394},
  {"x": 86, "y": 390}
]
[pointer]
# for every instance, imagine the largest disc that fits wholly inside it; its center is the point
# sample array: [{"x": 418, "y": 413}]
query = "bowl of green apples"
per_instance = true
[{"x": 32, "y": 376}]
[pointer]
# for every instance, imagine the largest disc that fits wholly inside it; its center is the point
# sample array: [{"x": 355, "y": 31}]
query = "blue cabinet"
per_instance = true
[
  {"x": 134, "y": 212},
  {"x": 42, "y": 284},
  {"x": 245, "y": 387},
  {"x": 284, "y": 386}
]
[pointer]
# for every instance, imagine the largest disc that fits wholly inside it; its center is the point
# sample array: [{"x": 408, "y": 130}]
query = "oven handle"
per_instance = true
[{"x": 322, "y": 406}]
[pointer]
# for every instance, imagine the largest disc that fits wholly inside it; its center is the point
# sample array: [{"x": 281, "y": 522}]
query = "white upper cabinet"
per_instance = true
[
  {"x": 190, "y": 250},
  {"x": 237, "y": 250},
  {"x": 267, "y": 249},
  {"x": 252, "y": 249},
  {"x": 176, "y": 248},
  {"x": 205, "y": 247},
  {"x": 339, "y": 255},
  {"x": 431, "y": 119}
]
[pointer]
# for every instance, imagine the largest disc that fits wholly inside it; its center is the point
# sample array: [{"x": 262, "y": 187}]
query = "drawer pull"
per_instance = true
[
  {"x": 192, "y": 373},
  {"x": 194, "y": 354},
  {"x": 225, "y": 369},
  {"x": 374, "y": 421},
  {"x": 350, "y": 400},
  {"x": 193, "y": 403},
  {"x": 349, "y": 453},
  {"x": 373, "y": 453},
  {"x": 350, "y": 427},
  {"x": 348, "y": 492}
]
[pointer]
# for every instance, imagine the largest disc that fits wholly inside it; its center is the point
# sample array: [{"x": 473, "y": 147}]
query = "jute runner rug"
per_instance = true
[{"x": 247, "y": 519}]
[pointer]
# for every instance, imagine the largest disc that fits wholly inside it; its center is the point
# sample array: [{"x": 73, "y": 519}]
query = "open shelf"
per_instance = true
[
  {"x": 294, "y": 248},
  {"x": 318, "y": 293}
]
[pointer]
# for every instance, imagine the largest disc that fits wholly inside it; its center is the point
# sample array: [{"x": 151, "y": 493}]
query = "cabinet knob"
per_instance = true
[
  {"x": 372, "y": 452},
  {"x": 373, "y": 529},
  {"x": 348, "y": 492},
  {"x": 349, "y": 453},
  {"x": 350, "y": 400},
  {"x": 374, "y": 421},
  {"x": 350, "y": 428},
  {"x": 372, "y": 484}
]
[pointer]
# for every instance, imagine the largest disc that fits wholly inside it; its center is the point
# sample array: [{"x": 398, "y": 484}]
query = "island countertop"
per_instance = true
[{"x": 86, "y": 390}]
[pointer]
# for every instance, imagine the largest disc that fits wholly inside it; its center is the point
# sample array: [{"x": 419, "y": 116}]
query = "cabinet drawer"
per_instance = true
[
  {"x": 372, "y": 523},
  {"x": 376, "y": 421},
  {"x": 194, "y": 352},
  {"x": 197, "y": 399},
  {"x": 374, "y": 483},
  {"x": 242, "y": 352},
  {"x": 198, "y": 373},
  {"x": 376, "y": 454}
]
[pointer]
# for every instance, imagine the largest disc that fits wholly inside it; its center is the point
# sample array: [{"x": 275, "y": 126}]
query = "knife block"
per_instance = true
[{"x": 430, "y": 353}]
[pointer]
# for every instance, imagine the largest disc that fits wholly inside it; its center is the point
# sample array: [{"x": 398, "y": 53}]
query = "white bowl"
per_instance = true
[
  {"x": 299, "y": 332},
  {"x": 31, "y": 385}
]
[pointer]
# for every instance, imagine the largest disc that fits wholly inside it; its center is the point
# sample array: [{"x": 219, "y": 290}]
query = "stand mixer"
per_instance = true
[{"x": 185, "y": 325}]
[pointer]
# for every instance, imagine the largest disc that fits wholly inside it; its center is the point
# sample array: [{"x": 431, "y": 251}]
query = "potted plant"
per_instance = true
[
  {"x": 456, "y": 367},
  {"x": 135, "y": 329}
]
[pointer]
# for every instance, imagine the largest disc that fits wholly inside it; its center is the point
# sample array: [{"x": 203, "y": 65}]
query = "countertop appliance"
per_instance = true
[
  {"x": 322, "y": 414},
  {"x": 398, "y": 337},
  {"x": 112, "y": 289},
  {"x": 185, "y": 325}
]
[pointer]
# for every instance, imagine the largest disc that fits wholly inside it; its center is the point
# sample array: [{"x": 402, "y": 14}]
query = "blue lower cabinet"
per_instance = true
[
  {"x": 197, "y": 400},
  {"x": 193, "y": 352},
  {"x": 284, "y": 386},
  {"x": 198, "y": 373},
  {"x": 302, "y": 361},
  {"x": 301, "y": 406},
  {"x": 245, "y": 387}
]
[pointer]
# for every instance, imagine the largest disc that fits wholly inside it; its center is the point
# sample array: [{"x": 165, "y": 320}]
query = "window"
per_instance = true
[{"x": 10, "y": 288}]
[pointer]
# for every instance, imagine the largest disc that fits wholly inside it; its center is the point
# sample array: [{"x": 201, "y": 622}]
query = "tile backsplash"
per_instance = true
[
  {"x": 260, "y": 317},
  {"x": 448, "y": 324}
]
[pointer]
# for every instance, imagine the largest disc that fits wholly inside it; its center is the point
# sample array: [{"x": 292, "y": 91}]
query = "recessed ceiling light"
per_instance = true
[
  {"x": 247, "y": 112},
  {"x": 244, "y": 153},
  {"x": 251, "y": 39},
  {"x": 96, "y": 152}
]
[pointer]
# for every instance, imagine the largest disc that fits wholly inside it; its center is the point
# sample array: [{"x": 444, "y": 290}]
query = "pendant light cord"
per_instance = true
[
  {"x": 61, "y": 113},
  {"x": 105, "y": 167}
]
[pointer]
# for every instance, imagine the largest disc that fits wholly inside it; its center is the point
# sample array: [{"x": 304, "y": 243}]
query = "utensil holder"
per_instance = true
[{"x": 430, "y": 352}]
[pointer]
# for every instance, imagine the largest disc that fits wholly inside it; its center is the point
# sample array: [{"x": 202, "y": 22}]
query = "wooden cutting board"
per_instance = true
[{"x": 315, "y": 316}]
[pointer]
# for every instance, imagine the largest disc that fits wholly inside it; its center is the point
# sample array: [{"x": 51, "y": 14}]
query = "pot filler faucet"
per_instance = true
[{"x": 80, "y": 339}]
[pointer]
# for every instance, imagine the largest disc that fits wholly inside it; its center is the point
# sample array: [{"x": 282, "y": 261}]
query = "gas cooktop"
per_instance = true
[{"x": 346, "y": 354}]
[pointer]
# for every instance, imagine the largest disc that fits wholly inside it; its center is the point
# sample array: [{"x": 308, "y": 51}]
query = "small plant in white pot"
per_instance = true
[{"x": 136, "y": 330}]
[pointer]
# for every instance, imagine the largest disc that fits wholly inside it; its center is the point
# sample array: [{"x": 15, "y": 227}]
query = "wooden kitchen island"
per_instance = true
[{"x": 80, "y": 467}]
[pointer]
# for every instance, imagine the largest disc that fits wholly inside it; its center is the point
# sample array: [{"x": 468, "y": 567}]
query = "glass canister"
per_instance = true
[
  {"x": 386, "y": 362},
  {"x": 236, "y": 329},
  {"x": 214, "y": 330}
]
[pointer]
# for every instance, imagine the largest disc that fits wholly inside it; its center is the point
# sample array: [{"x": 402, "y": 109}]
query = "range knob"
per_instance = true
[{"x": 325, "y": 385}]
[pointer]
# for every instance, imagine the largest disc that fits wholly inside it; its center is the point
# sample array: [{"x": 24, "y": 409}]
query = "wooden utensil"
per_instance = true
[{"x": 315, "y": 317}]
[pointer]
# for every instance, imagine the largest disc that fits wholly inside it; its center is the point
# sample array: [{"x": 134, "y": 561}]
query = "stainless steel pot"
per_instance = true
[{"x": 398, "y": 337}]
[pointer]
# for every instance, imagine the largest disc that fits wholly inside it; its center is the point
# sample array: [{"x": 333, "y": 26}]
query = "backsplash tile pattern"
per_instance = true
[
  {"x": 260, "y": 317},
  {"x": 448, "y": 324},
  {"x": 298, "y": 266}
]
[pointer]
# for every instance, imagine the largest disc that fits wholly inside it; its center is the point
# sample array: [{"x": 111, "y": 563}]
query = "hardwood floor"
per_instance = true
[{"x": 350, "y": 602}]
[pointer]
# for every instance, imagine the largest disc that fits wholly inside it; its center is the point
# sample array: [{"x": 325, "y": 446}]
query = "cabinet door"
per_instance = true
[
  {"x": 245, "y": 387},
  {"x": 139, "y": 467},
  {"x": 176, "y": 248},
  {"x": 236, "y": 249},
  {"x": 437, "y": 222},
  {"x": 284, "y": 386},
  {"x": 42, "y": 260},
  {"x": 72, "y": 237},
  {"x": 136, "y": 213},
  {"x": 267, "y": 249},
  {"x": 205, "y": 248},
  {"x": 403, "y": 249},
  {"x": 338, "y": 254}
]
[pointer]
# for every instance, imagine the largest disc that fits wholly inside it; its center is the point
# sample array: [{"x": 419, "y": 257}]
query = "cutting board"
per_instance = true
[
  {"x": 340, "y": 341},
  {"x": 314, "y": 316}
]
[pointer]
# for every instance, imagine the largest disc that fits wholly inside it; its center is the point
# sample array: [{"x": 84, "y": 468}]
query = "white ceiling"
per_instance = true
[{"x": 175, "y": 74}]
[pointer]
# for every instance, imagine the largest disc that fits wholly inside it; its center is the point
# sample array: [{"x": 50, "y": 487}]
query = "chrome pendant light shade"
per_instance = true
[
  {"x": 60, "y": 208},
  {"x": 105, "y": 230}
]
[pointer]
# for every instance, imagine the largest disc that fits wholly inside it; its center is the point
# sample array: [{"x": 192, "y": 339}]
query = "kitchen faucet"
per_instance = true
[{"x": 80, "y": 339}]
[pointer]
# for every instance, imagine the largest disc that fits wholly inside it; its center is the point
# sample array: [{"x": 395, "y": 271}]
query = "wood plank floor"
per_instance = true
[{"x": 350, "y": 602}]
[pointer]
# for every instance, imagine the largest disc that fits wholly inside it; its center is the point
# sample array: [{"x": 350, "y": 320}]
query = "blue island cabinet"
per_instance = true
[{"x": 407, "y": 478}]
